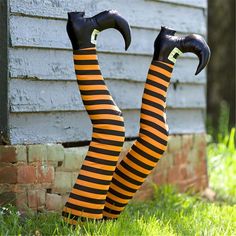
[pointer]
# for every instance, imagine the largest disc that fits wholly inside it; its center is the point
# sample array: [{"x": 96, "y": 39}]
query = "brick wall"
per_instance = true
[{"x": 40, "y": 177}]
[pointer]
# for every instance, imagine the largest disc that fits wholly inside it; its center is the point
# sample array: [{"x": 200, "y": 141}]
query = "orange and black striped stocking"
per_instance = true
[
  {"x": 88, "y": 194},
  {"x": 150, "y": 145}
]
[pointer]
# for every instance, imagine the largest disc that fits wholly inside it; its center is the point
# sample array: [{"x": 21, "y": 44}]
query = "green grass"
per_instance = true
[
  {"x": 222, "y": 167},
  {"x": 169, "y": 213}
]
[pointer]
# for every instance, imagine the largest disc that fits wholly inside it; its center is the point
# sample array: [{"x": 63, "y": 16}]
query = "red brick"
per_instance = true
[
  {"x": 183, "y": 174},
  {"x": 36, "y": 198},
  {"x": 54, "y": 202},
  {"x": 160, "y": 178},
  {"x": 21, "y": 200},
  {"x": 7, "y": 197},
  {"x": 173, "y": 175},
  {"x": 45, "y": 174},
  {"x": 8, "y": 174},
  {"x": 8, "y": 154},
  {"x": 26, "y": 174}
]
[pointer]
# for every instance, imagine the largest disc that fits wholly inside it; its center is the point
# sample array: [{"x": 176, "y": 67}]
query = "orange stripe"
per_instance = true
[
  {"x": 95, "y": 175},
  {"x": 92, "y": 87},
  {"x": 155, "y": 89},
  {"x": 160, "y": 70},
  {"x": 117, "y": 199},
  {"x": 125, "y": 182},
  {"x": 99, "y": 166},
  {"x": 148, "y": 151},
  {"x": 130, "y": 174},
  {"x": 96, "y": 97},
  {"x": 155, "y": 131},
  {"x": 113, "y": 207},
  {"x": 142, "y": 159},
  {"x": 108, "y": 137},
  {"x": 110, "y": 215},
  {"x": 171, "y": 66},
  {"x": 154, "y": 99},
  {"x": 152, "y": 109},
  {"x": 137, "y": 167},
  {"x": 102, "y": 156},
  {"x": 105, "y": 146},
  {"x": 153, "y": 142},
  {"x": 89, "y": 77},
  {"x": 120, "y": 190},
  {"x": 85, "y": 204},
  {"x": 108, "y": 117},
  {"x": 102, "y": 106},
  {"x": 88, "y": 194},
  {"x": 85, "y": 57},
  {"x": 92, "y": 185},
  {"x": 159, "y": 80},
  {"x": 154, "y": 120},
  {"x": 87, "y": 67},
  {"x": 85, "y": 49},
  {"x": 82, "y": 213},
  {"x": 110, "y": 127}
]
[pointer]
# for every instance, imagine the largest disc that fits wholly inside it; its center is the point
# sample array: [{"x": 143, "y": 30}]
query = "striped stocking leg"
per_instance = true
[{"x": 88, "y": 195}]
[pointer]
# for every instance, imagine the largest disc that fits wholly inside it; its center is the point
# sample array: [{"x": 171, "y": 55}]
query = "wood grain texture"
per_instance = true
[
  {"x": 50, "y": 33},
  {"x": 38, "y": 96},
  {"x": 75, "y": 126},
  {"x": 44, "y": 64},
  {"x": 139, "y": 13}
]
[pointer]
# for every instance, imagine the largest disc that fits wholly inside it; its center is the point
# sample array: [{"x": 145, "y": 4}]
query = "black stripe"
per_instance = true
[
  {"x": 138, "y": 162},
  {"x": 163, "y": 66},
  {"x": 88, "y": 72},
  {"x": 87, "y": 199},
  {"x": 154, "y": 125},
  {"x": 115, "y": 203},
  {"x": 144, "y": 154},
  {"x": 97, "y": 102},
  {"x": 83, "y": 209},
  {"x": 153, "y": 136},
  {"x": 154, "y": 104},
  {"x": 104, "y": 111},
  {"x": 109, "y": 142},
  {"x": 159, "y": 75},
  {"x": 85, "y": 62},
  {"x": 90, "y": 82},
  {"x": 94, "y": 92},
  {"x": 108, "y": 210},
  {"x": 94, "y": 180},
  {"x": 157, "y": 85},
  {"x": 97, "y": 171},
  {"x": 109, "y": 122},
  {"x": 89, "y": 190},
  {"x": 150, "y": 146},
  {"x": 122, "y": 186},
  {"x": 85, "y": 52},
  {"x": 132, "y": 170},
  {"x": 154, "y": 94},
  {"x": 107, "y": 131},
  {"x": 103, "y": 151},
  {"x": 127, "y": 178},
  {"x": 100, "y": 161},
  {"x": 120, "y": 195},
  {"x": 152, "y": 114}
]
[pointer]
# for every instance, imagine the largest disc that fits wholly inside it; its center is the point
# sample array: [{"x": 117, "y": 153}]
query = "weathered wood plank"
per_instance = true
[
  {"x": 75, "y": 126},
  {"x": 45, "y": 33},
  {"x": 184, "y": 19},
  {"x": 46, "y": 64},
  {"x": 190, "y": 3},
  {"x": 38, "y": 96}
]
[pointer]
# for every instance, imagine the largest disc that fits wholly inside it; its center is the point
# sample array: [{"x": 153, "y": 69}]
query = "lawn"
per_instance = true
[{"x": 169, "y": 213}]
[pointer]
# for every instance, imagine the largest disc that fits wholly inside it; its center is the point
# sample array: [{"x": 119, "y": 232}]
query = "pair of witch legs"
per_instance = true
[{"x": 103, "y": 188}]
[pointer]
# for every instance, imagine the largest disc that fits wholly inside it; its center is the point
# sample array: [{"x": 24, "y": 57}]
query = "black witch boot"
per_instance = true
[{"x": 88, "y": 194}]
